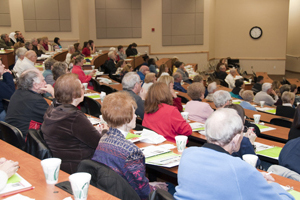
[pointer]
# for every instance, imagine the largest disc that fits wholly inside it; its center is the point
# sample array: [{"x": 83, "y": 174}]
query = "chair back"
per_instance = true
[
  {"x": 12, "y": 135},
  {"x": 5, "y": 103},
  {"x": 183, "y": 99},
  {"x": 160, "y": 194},
  {"x": 108, "y": 180},
  {"x": 36, "y": 145},
  {"x": 107, "y": 89},
  {"x": 223, "y": 83},
  {"x": 96, "y": 85},
  {"x": 281, "y": 122},
  {"x": 92, "y": 107}
]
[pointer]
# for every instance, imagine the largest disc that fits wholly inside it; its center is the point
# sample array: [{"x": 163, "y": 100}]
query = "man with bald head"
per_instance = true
[
  {"x": 143, "y": 71},
  {"x": 27, "y": 106},
  {"x": 28, "y": 61},
  {"x": 5, "y": 42}
]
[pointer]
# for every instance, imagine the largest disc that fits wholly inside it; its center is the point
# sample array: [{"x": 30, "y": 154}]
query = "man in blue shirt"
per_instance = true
[
  {"x": 177, "y": 82},
  {"x": 143, "y": 71}
]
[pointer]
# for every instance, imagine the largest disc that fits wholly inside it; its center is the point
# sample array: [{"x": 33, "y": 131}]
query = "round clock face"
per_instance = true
[{"x": 256, "y": 32}]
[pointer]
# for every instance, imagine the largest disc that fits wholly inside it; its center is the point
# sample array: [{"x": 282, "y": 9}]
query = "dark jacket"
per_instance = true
[
  {"x": 24, "y": 106},
  {"x": 139, "y": 102},
  {"x": 221, "y": 75},
  {"x": 294, "y": 133},
  {"x": 131, "y": 52},
  {"x": 5, "y": 45},
  {"x": 289, "y": 156},
  {"x": 285, "y": 111},
  {"x": 38, "y": 52},
  {"x": 256, "y": 87},
  {"x": 7, "y": 86},
  {"x": 69, "y": 135},
  {"x": 110, "y": 67}
]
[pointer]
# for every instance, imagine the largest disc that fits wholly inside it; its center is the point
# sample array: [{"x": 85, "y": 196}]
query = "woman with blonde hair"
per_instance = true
[
  {"x": 127, "y": 68},
  {"x": 160, "y": 116},
  {"x": 163, "y": 70},
  {"x": 149, "y": 80},
  {"x": 169, "y": 80}
]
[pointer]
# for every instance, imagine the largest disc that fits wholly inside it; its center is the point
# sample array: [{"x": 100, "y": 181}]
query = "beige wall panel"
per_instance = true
[
  {"x": 183, "y": 40},
  {"x": 28, "y": 9},
  {"x": 199, "y": 23},
  {"x": 118, "y": 18},
  {"x": 166, "y": 6},
  {"x": 100, "y": 18},
  {"x": 46, "y": 9},
  {"x": 30, "y": 25},
  {"x": 65, "y": 25},
  {"x": 136, "y": 18},
  {"x": 100, "y": 3},
  {"x": 186, "y": 6},
  {"x": 136, "y": 32},
  {"x": 199, "y": 39},
  {"x": 4, "y": 6},
  {"x": 64, "y": 9},
  {"x": 200, "y": 5},
  {"x": 47, "y": 25},
  {"x": 136, "y": 4},
  {"x": 183, "y": 24},
  {"x": 101, "y": 33},
  {"x": 167, "y": 40},
  {"x": 167, "y": 24},
  {"x": 118, "y": 4},
  {"x": 119, "y": 32},
  {"x": 5, "y": 20}
]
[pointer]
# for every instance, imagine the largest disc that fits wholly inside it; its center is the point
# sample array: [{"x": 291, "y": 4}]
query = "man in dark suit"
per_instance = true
[
  {"x": 27, "y": 106},
  {"x": 222, "y": 73},
  {"x": 286, "y": 110}
]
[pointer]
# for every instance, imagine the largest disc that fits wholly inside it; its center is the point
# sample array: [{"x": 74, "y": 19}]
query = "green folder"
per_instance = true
[
  {"x": 14, "y": 179},
  {"x": 164, "y": 155},
  {"x": 96, "y": 96},
  {"x": 273, "y": 111},
  {"x": 236, "y": 102},
  {"x": 295, "y": 194},
  {"x": 272, "y": 152},
  {"x": 131, "y": 135},
  {"x": 199, "y": 129},
  {"x": 90, "y": 58},
  {"x": 261, "y": 126}
]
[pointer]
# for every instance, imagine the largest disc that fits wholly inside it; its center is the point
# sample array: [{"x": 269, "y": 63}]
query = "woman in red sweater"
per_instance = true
[
  {"x": 77, "y": 69},
  {"x": 86, "y": 49},
  {"x": 160, "y": 116}
]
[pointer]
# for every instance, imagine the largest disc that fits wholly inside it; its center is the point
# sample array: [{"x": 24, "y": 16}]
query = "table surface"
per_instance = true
[
  {"x": 31, "y": 170},
  {"x": 267, "y": 79},
  {"x": 294, "y": 81}
]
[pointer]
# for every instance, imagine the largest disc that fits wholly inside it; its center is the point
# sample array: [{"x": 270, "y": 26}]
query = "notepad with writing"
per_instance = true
[
  {"x": 15, "y": 183},
  {"x": 168, "y": 160}
]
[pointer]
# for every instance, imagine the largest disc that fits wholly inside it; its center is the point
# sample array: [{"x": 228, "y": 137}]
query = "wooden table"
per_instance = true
[
  {"x": 136, "y": 61},
  {"x": 267, "y": 79},
  {"x": 294, "y": 81},
  {"x": 100, "y": 59},
  {"x": 8, "y": 58},
  {"x": 167, "y": 61},
  {"x": 61, "y": 56},
  {"x": 31, "y": 170}
]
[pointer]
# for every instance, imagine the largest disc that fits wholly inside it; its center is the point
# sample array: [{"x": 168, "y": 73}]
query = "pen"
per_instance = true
[{"x": 18, "y": 191}]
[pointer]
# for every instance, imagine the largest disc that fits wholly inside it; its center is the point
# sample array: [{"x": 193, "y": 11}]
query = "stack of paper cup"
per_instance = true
[
  {"x": 181, "y": 142},
  {"x": 251, "y": 159},
  {"x": 51, "y": 168},
  {"x": 102, "y": 96},
  {"x": 185, "y": 115},
  {"x": 85, "y": 85},
  {"x": 262, "y": 103},
  {"x": 80, "y": 183},
  {"x": 256, "y": 118}
]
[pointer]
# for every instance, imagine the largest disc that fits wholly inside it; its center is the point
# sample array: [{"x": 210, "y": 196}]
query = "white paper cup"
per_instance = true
[
  {"x": 80, "y": 183},
  {"x": 256, "y": 118},
  {"x": 2, "y": 49},
  {"x": 181, "y": 142},
  {"x": 102, "y": 96},
  {"x": 85, "y": 85},
  {"x": 251, "y": 159},
  {"x": 250, "y": 80},
  {"x": 51, "y": 168},
  {"x": 100, "y": 51},
  {"x": 185, "y": 115},
  {"x": 93, "y": 67},
  {"x": 262, "y": 103}
]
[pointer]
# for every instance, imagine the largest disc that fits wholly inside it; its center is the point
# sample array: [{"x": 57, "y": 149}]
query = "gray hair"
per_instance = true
[
  {"x": 232, "y": 71},
  {"x": 49, "y": 63},
  {"x": 222, "y": 126},
  {"x": 266, "y": 86},
  {"x": 176, "y": 75},
  {"x": 112, "y": 49},
  {"x": 221, "y": 97},
  {"x": 129, "y": 80},
  {"x": 110, "y": 54},
  {"x": 27, "y": 78},
  {"x": 32, "y": 40},
  {"x": 285, "y": 88},
  {"x": 3, "y": 36},
  {"x": 287, "y": 97},
  {"x": 248, "y": 95},
  {"x": 71, "y": 47},
  {"x": 212, "y": 87},
  {"x": 21, "y": 52}
]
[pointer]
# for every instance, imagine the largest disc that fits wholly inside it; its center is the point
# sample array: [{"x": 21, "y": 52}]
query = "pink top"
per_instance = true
[
  {"x": 168, "y": 122},
  {"x": 198, "y": 111},
  {"x": 81, "y": 75}
]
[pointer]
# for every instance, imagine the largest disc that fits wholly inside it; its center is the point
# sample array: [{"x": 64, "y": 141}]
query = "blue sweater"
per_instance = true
[
  {"x": 177, "y": 86},
  {"x": 7, "y": 86},
  {"x": 289, "y": 156},
  {"x": 209, "y": 172}
]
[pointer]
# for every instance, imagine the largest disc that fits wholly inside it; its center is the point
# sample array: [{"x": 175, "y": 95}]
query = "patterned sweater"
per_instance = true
[{"x": 125, "y": 158}]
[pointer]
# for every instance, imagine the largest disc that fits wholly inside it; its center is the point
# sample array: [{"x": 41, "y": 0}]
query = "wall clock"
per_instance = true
[{"x": 255, "y": 32}]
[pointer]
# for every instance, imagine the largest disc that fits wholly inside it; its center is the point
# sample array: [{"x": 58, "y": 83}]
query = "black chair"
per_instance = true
[
  {"x": 281, "y": 122},
  {"x": 96, "y": 85},
  {"x": 116, "y": 78},
  {"x": 107, "y": 89},
  {"x": 12, "y": 135},
  {"x": 5, "y": 103},
  {"x": 92, "y": 107},
  {"x": 36, "y": 145},
  {"x": 183, "y": 99},
  {"x": 223, "y": 83},
  {"x": 160, "y": 194},
  {"x": 108, "y": 180}
]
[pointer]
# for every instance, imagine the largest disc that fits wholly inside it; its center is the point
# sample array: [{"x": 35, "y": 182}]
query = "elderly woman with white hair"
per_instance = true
[
  {"x": 232, "y": 177},
  {"x": 211, "y": 88},
  {"x": 264, "y": 95},
  {"x": 221, "y": 98},
  {"x": 71, "y": 50},
  {"x": 110, "y": 65},
  {"x": 20, "y": 54},
  {"x": 231, "y": 77},
  {"x": 247, "y": 96},
  {"x": 286, "y": 110}
]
